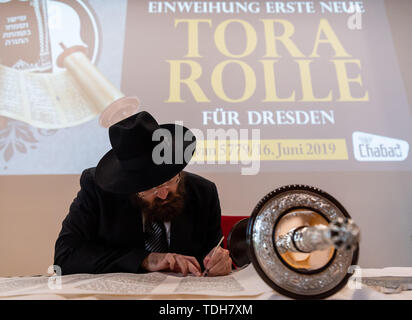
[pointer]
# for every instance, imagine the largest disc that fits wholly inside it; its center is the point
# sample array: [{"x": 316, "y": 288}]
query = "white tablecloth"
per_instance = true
[{"x": 254, "y": 287}]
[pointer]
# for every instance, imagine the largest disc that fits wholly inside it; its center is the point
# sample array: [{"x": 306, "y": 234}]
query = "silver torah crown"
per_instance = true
[{"x": 340, "y": 233}]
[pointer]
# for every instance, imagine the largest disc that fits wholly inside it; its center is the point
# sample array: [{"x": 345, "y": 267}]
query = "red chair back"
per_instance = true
[{"x": 227, "y": 223}]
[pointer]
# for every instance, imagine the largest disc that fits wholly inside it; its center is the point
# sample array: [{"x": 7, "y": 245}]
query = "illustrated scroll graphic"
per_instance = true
[
  {"x": 53, "y": 100},
  {"x": 63, "y": 99},
  {"x": 101, "y": 94}
]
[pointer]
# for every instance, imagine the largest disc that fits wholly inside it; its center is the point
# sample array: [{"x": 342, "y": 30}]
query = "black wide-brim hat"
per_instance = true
[{"x": 144, "y": 154}]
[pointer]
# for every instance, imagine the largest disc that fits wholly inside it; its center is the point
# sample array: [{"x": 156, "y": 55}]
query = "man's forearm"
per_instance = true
[{"x": 97, "y": 258}]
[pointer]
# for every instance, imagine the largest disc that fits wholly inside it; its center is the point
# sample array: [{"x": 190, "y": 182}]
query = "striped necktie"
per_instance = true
[{"x": 155, "y": 237}]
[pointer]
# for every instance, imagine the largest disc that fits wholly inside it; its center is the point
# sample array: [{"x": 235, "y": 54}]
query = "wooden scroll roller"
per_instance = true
[
  {"x": 113, "y": 105},
  {"x": 301, "y": 241}
]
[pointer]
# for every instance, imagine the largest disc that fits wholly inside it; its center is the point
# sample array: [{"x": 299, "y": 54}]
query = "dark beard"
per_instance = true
[{"x": 159, "y": 210}]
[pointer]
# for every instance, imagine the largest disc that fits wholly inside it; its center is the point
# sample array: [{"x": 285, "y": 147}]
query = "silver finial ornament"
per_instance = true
[{"x": 301, "y": 241}]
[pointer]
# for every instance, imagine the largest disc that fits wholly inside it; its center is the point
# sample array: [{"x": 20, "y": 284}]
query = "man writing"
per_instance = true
[{"x": 134, "y": 215}]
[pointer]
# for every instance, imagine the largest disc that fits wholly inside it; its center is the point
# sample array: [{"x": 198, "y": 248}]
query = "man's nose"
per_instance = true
[{"x": 162, "y": 193}]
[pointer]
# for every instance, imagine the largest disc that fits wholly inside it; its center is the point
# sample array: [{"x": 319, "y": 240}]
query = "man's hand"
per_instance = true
[
  {"x": 172, "y": 262},
  {"x": 220, "y": 264}
]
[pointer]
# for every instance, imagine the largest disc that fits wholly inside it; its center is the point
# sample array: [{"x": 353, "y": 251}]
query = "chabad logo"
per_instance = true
[{"x": 370, "y": 147}]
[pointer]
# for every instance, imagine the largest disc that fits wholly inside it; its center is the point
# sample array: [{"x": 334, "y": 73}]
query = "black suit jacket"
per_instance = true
[{"x": 103, "y": 231}]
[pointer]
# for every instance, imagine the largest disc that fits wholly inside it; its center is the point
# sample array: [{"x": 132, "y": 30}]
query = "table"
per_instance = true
[{"x": 240, "y": 285}]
